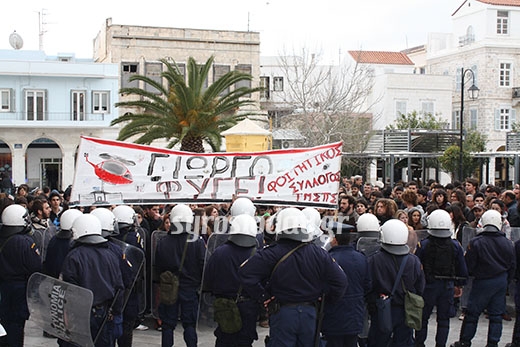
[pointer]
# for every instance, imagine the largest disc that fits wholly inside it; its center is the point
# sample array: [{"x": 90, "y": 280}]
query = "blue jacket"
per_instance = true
[
  {"x": 95, "y": 267},
  {"x": 346, "y": 316},
  {"x": 221, "y": 272},
  {"x": 490, "y": 254},
  {"x": 383, "y": 270},
  {"x": 303, "y": 277},
  {"x": 19, "y": 258},
  {"x": 168, "y": 257},
  {"x": 57, "y": 250}
]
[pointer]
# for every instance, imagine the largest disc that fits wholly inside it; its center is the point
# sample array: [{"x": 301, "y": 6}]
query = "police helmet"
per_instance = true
[
  {"x": 243, "y": 230},
  {"x": 87, "y": 229},
  {"x": 15, "y": 219},
  {"x": 181, "y": 213},
  {"x": 242, "y": 206},
  {"x": 368, "y": 222},
  {"x": 108, "y": 221},
  {"x": 439, "y": 224},
  {"x": 314, "y": 219},
  {"x": 292, "y": 224},
  {"x": 68, "y": 217},
  {"x": 394, "y": 236},
  {"x": 491, "y": 220},
  {"x": 125, "y": 216}
]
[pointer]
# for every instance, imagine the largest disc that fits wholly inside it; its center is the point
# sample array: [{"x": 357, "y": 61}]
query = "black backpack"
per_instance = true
[{"x": 439, "y": 259}]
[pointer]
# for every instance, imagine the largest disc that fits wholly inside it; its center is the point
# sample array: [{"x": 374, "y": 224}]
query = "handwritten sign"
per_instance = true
[{"x": 113, "y": 172}]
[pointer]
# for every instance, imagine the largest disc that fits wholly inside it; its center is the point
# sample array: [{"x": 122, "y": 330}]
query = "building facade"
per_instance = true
[{"x": 47, "y": 103}]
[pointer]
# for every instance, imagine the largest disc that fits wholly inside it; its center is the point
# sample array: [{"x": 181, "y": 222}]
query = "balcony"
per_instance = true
[{"x": 54, "y": 119}]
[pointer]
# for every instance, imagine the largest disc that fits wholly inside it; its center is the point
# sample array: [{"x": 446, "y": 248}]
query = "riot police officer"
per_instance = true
[
  {"x": 176, "y": 246},
  {"x": 298, "y": 273},
  {"x": 490, "y": 258},
  {"x": 444, "y": 266},
  {"x": 384, "y": 267},
  {"x": 19, "y": 258},
  {"x": 221, "y": 279},
  {"x": 91, "y": 264}
]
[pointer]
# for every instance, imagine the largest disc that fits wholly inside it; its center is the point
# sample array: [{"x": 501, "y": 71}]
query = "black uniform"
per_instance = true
[{"x": 19, "y": 258}]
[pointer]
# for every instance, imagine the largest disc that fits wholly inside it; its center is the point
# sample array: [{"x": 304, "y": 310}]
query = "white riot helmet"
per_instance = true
[
  {"x": 87, "y": 229},
  {"x": 314, "y": 219},
  {"x": 394, "y": 236},
  {"x": 439, "y": 224},
  {"x": 292, "y": 224},
  {"x": 15, "y": 220},
  {"x": 490, "y": 220},
  {"x": 181, "y": 213},
  {"x": 368, "y": 222},
  {"x": 243, "y": 231},
  {"x": 68, "y": 217},
  {"x": 125, "y": 215},
  {"x": 242, "y": 206},
  {"x": 109, "y": 225}
]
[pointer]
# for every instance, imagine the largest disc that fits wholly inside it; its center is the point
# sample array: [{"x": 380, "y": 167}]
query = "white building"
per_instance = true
[
  {"x": 485, "y": 38},
  {"x": 46, "y": 104}
]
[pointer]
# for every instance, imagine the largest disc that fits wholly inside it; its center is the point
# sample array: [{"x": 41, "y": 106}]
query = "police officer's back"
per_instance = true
[
  {"x": 19, "y": 258},
  {"x": 91, "y": 264},
  {"x": 297, "y": 282},
  {"x": 168, "y": 256},
  {"x": 221, "y": 279}
]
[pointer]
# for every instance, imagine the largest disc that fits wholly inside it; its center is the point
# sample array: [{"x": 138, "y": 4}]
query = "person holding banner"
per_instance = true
[
  {"x": 91, "y": 264},
  {"x": 183, "y": 256},
  {"x": 19, "y": 258}
]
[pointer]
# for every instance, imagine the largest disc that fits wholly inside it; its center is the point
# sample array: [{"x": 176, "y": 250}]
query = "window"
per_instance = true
[
  {"x": 129, "y": 70},
  {"x": 502, "y": 22},
  {"x": 455, "y": 119},
  {"x": 278, "y": 84},
  {"x": 153, "y": 71},
  {"x": 78, "y": 105},
  {"x": 427, "y": 107},
  {"x": 100, "y": 102},
  {"x": 264, "y": 83},
  {"x": 505, "y": 75},
  {"x": 218, "y": 72},
  {"x": 5, "y": 100},
  {"x": 244, "y": 69},
  {"x": 35, "y": 104},
  {"x": 504, "y": 118},
  {"x": 400, "y": 108},
  {"x": 473, "y": 121}
]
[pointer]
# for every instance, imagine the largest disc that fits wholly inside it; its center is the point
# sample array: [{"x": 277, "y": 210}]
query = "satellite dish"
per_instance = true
[{"x": 15, "y": 40}]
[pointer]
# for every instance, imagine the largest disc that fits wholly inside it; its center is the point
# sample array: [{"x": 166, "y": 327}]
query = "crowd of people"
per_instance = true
[{"x": 313, "y": 276}]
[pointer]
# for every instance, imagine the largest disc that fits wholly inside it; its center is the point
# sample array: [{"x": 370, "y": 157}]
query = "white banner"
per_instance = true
[{"x": 113, "y": 172}]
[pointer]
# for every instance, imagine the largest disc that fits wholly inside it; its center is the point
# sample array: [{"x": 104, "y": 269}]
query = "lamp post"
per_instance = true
[{"x": 473, "y": 95}]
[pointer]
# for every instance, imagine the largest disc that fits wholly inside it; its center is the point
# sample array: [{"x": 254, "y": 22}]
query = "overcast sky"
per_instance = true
[{"x": 332, "y": 26}]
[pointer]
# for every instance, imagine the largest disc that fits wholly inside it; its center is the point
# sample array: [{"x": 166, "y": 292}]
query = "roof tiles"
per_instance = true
[{"x": 378, "y": 57}]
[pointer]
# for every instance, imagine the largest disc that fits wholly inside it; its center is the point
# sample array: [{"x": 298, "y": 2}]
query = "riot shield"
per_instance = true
[
  {"x": 42, "y": 237},
  {"x": 368, "y": 245},
  {"x": 135, "y": 258},
  {"x": 60, "y": 308},
  {"x": 154, "y": 290},
  {"x": 205, "y": 316},
  {"x": 467, "y": 234},
  {"x": 515, "y": 234}
]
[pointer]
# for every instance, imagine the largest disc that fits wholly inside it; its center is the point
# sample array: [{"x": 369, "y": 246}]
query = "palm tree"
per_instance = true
[{"x": 187, "y": 113}]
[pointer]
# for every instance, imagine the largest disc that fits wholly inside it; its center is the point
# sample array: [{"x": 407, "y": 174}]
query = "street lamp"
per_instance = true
[{"x": 473, "y": 95}]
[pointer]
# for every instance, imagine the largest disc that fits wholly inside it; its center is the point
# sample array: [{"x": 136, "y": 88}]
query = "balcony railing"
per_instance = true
[{"x": 54, "y": 117}]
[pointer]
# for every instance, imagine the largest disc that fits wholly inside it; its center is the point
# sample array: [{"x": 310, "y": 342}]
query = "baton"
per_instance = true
[
  {"x": 105, "y": 319},
  {"x": 450, "y": 278},
  {"x": 319, "y": 321}
]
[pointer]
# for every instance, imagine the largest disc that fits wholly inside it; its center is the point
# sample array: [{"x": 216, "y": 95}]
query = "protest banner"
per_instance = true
[{"x": 114, "y": 172}]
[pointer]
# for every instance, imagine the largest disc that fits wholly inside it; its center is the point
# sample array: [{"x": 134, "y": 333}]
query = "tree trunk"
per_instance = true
[{"x": 192, "y": 144}]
